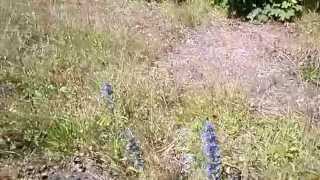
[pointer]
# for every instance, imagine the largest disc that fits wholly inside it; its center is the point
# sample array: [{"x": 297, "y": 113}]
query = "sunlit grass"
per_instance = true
[
  {"x": 191, "y": 12},
  {"x": 258, "y": 147},
  {"x": 310, "y": 66},
  {"x": 309, "y": 26}
]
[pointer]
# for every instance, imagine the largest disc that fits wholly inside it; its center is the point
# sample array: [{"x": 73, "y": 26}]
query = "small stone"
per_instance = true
[
  {"x": 30, "y": 168},
  {"x": 43, "y": 168},
  {"x": 83, "y": 169},
  {"x": 57, "y": 177},
  {"x": 44, "y": 176},
  {"x": 82, "y": 176},
  {"x": 79, "y": 168},
  {"x": 77, "y": 160},
  {"x": 6, "y": 89},
  {"x": 2, "y": 142}
]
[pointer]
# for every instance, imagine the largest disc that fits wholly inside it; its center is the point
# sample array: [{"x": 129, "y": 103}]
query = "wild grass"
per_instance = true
[
  {"x": 310, "y": 67},
  {"x": 258, "y": 147},
  {"x": 309, "y": 26},
  {"x": 191, "y": 12},
  {"x": 54, "y": 108}
]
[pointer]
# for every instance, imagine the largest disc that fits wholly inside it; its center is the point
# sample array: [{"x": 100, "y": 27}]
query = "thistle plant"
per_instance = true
[
  {"x": 211, "y": 151},
  {"x": 133, "y": 152}
]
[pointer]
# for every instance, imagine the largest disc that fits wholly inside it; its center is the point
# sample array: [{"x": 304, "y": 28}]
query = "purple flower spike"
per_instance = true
[{"x": 211, "y": 151}]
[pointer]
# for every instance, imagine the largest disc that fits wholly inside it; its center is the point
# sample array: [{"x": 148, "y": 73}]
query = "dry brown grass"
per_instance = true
[
  {"x": 145, "y": 19},
  {"x": 309, "y": 27}
]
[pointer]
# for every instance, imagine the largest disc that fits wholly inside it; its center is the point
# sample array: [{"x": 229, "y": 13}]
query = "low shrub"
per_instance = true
[{"x": 263, "y": 10}]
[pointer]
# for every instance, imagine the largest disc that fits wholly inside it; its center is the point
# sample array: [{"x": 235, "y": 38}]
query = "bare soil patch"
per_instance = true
[{"x": 261, "y": 59}]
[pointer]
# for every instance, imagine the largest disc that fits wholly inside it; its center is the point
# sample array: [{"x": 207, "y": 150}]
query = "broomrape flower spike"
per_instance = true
[
  {"x": 133, "y": 151},
  {"x": 106, "y": 93},
  {"x": 211, "y": 151},
  {"x": 187, "y": 163}
]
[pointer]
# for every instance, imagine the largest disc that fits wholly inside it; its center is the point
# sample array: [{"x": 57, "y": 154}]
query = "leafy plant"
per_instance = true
[{"x": 282, "y": 10}]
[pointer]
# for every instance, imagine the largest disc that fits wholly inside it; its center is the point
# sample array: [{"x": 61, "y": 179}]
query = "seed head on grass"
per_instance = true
[
  {"x": 211, "y": 151},
  {"x": 133, "y": 151}
]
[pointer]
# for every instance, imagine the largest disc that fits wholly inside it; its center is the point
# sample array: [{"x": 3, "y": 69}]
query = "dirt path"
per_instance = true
[{"x": 256, "y": 57}]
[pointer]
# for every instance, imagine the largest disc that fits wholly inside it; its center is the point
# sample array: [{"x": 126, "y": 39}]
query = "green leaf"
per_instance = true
[
  {"x": 298, "y": 8},
  {"x": 290, "y": 13},
  {"x": 253, "y": 15},
  {"x": 285, "y": 4}
]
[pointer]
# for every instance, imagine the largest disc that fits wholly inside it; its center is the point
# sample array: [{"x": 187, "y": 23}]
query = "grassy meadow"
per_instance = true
[{"x": 54, "y": 58}]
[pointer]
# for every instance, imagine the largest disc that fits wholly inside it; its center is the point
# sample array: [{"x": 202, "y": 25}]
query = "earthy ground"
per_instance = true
[{"x": 261, "y": 59}]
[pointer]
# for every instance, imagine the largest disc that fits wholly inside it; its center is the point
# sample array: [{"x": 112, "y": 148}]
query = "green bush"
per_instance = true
[
  {"x": 257, "y": 10},
  {"x": 262, "y": 10}
]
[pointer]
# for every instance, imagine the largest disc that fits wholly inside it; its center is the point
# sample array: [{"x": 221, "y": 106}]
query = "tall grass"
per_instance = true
[
  {"x": 54, "y": 107},
  {"x": 309, "y": 26},
  {"x": 189, "y": 13}
]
